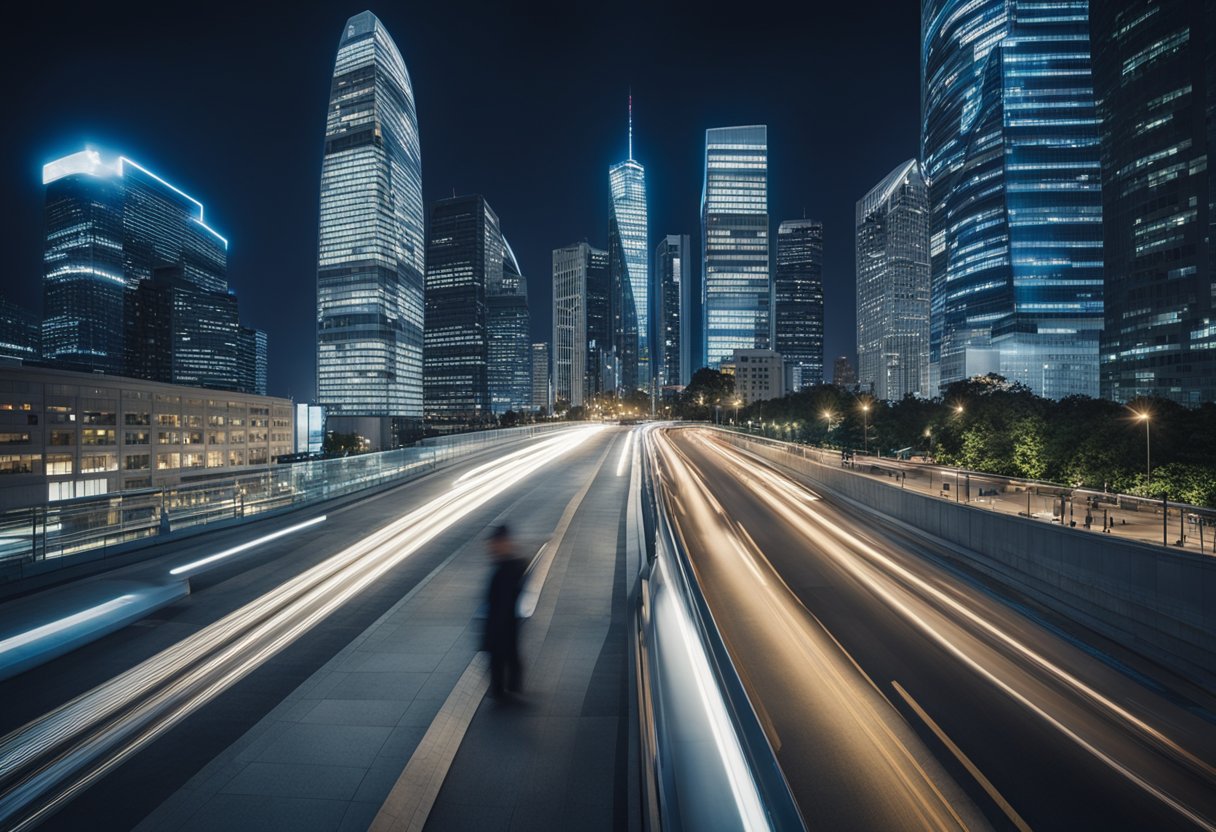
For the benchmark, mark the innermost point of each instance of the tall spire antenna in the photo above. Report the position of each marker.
(631, 124)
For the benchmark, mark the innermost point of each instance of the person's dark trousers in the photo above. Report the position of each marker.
(506, 672)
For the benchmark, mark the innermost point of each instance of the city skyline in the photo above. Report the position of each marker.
(271, 216)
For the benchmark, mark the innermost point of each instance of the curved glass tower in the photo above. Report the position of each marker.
(1010, 149)
(371, 251)
(630, 266)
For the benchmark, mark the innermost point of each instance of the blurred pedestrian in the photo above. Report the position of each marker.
(502, 622)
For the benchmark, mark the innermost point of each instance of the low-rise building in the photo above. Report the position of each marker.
(759, 375)
(67, 434)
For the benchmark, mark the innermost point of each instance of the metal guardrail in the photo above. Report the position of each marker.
(73, 527)
(685, 669)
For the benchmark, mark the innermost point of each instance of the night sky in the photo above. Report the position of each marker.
(525, 104)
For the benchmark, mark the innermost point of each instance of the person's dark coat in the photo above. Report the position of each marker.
(501, 623)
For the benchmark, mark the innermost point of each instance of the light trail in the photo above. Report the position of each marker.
(244, 547)
(898, 587)
(37, 633)
(858, 707)
(48, 761)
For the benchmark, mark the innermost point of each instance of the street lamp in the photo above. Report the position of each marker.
(737, 403)
(1146, 417)
(865, 430)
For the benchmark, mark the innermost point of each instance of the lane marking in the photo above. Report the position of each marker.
(412, 797)
(620, 465)
(971, 767)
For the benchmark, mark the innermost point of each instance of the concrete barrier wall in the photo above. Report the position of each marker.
(1156, 601)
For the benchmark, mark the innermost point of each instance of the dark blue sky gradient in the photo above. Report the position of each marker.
(525, 103)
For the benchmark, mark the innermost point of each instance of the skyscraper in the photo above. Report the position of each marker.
(20, 332)
(673, 296)
(583, 359)
(1157, 103)
(629, 258)
(508, 324)
(109, 225)
(464, 255)
(371, 257)
(540, 377)
(798, 302)
(1009, 145)
(179, 333)
(892, 234)
(734, 242)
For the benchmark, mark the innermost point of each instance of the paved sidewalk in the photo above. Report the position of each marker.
(556, 759)
(328, 756)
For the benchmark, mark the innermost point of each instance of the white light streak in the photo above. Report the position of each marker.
(190, 567)
(65, 623)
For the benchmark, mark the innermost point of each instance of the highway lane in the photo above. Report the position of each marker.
(233, 632)
(1038, 732)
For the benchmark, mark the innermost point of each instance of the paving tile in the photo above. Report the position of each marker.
(341, 745)
(296, 780)
(359, 816)
(378, 712)
(258, 813)
(385, 685)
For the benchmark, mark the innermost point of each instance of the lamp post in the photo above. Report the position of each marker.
(737, 403)
(865, 430)
(1146, 417)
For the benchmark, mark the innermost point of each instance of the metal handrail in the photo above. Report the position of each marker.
(61, 530)
(780, 809)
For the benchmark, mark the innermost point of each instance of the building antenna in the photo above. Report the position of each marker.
(631, 124)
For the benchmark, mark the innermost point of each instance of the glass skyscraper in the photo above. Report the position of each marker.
(1009, 145)
(1155, 83)
(540, 377)
(734, 242)
(109, 225)
(464, 256)
(20, 332)
(371, 252)
(798, 302)
(583, 359)
(629, 259)
(892, 235)
(673, 295)
(508, 326)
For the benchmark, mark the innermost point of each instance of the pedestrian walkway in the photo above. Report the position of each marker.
(394, 730)
(990, 492)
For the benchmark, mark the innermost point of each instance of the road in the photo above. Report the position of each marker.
(98, 738)
(901, 693)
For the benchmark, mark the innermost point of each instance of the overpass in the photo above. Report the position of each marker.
(715, 639)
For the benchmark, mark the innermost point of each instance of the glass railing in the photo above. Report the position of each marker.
(98, 524)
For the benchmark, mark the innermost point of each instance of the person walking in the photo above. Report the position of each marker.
(502, 622)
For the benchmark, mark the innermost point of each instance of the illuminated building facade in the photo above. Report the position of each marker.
(583, 358)
(735, 297)
(1009, 145)
(629, 265)
(892, 236)
(371, 251)
(508, 326)
(541, 388)
(464, 255)
(109, 226)
(798, 302)
(1155, 83)
(673, 298)
(20, 332)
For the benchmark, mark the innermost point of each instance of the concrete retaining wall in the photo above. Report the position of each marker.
(1156, 601)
